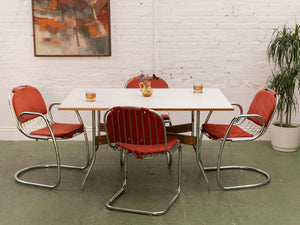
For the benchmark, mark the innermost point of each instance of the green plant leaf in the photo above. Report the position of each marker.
(284, 51)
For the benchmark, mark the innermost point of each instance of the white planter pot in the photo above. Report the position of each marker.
(285, 139)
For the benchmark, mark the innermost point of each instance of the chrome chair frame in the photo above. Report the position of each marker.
(48, 120)
(257, 132)
(126, 153)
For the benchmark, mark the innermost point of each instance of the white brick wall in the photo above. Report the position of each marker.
(222, 41)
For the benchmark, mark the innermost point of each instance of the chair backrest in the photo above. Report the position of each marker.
(263, 104)
(155, 83)
(26, 99)
(138, 130)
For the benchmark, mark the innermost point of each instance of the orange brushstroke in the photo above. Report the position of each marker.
(50, 24)
(94, 28)
(52, 5)
(63, 2)
(103, 17)
(51, 41)
(93, 31)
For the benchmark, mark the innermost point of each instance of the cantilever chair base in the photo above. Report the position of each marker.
(19, 173)
(35, 121)
(57, 165)
(140, 132)
(256, 170)
(243, 127)
(145, 212)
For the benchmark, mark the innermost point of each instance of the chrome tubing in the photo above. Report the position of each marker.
(146, 212)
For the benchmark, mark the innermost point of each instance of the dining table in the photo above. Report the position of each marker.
(162, 99)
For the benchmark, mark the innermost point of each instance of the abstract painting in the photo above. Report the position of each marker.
(71, 27)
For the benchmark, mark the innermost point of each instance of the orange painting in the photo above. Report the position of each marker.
(71, 27)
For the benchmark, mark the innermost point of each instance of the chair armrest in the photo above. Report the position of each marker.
(243, 117)
(23, 131)
(233, 104)
(247, 116)
(239, 106)
(51, 115)
(50, 111)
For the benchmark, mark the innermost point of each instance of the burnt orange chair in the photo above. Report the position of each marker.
(139, 132)
(243, 127)
(35, 121)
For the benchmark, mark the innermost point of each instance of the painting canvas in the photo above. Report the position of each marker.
(71, 27)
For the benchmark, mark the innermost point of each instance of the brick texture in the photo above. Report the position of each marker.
(222, 42)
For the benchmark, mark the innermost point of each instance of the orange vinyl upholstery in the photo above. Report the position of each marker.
(28, 99)
(165, 116)
(26, 103)
(243, 127)
(155, 83)
(140, 150)
(263, 104)
(140, 132)
(61, 130)
(218, 131)
(137, 131)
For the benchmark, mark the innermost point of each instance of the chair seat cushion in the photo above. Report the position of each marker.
(141, 150)
(218, 131)
(165, 116)
(61, 130)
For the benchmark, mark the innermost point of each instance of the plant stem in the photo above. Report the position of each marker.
(281, 118)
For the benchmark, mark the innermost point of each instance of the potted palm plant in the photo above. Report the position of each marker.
(284, 52)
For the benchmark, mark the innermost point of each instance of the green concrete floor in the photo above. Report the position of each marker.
(150, 186)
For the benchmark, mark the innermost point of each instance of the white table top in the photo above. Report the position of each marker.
(166, 99)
